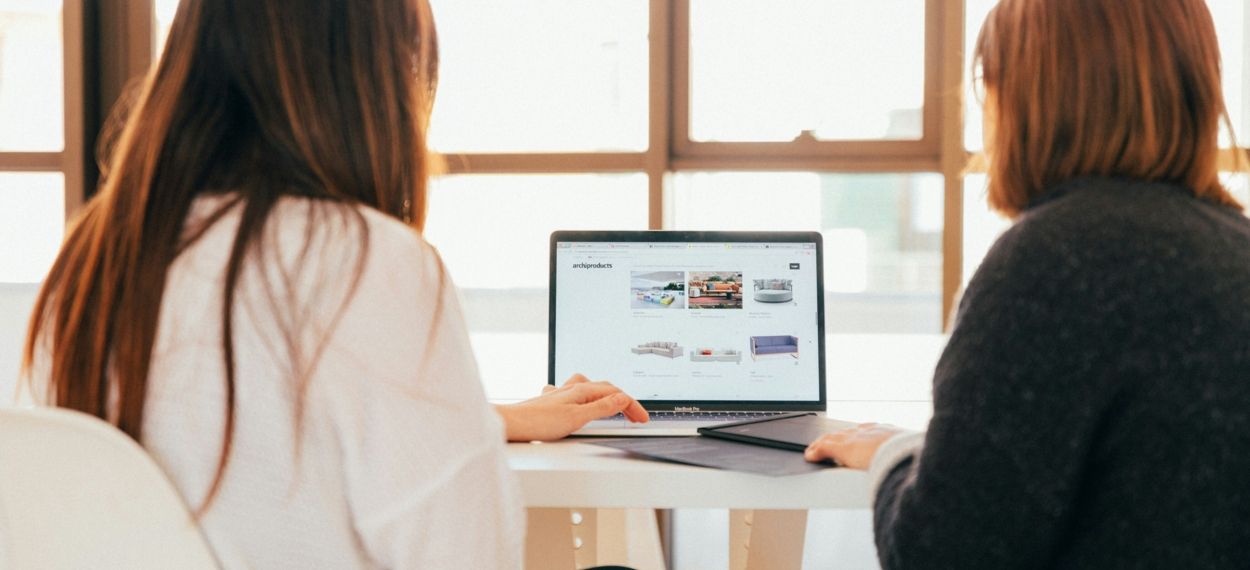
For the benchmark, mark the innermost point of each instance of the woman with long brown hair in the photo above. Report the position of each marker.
(1092, 407)
(246, 296)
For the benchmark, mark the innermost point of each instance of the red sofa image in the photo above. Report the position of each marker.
(700, 288)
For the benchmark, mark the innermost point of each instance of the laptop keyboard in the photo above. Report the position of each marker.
(705, 416)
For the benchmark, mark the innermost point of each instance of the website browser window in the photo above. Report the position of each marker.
(682, 321)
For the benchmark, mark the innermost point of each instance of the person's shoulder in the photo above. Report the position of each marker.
(1105, 208)
(1104, 230)
(339, 254)
(330, 225)
(391, 232)
(1076, 229)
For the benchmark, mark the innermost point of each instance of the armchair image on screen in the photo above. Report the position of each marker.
(773, 290)
(768, 346)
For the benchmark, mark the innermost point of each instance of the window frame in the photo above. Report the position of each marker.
(670, 150)
(70, 161)
(103, 51)
(928, 147)
(109, 28)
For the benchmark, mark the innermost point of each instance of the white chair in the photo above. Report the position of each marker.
(75, 492)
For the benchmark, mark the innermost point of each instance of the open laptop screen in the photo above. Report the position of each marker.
(691, 317)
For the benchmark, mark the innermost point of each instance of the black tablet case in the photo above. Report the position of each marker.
(793, 432)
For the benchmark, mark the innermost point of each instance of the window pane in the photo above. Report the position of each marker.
(32, 224)
(982, 226)
(975, 14)
(768, 71)
(882, 235)
(1239, 186)
(541, 75)
(1232, 19)
(493, 231)
(32, 109)
(165, 10)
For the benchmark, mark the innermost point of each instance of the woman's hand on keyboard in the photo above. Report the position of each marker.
(561, 411)
(851, 447)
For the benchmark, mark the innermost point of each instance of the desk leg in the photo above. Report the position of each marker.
(549, 540)
(559, 539)
(630, 537)
(766, 539)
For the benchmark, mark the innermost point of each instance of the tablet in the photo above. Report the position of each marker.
(791, 431)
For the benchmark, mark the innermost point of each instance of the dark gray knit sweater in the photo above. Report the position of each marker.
(1092, 409)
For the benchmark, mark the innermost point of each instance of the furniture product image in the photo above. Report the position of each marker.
(709, 355)
(713, 288)
(770, 345)
(774, 290)
(657, 297)
(669, 349)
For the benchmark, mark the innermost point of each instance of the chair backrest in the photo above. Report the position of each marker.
(75, 492)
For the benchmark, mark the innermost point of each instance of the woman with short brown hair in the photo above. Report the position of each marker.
(1092, 407)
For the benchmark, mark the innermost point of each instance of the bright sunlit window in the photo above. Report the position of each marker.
(882, 236)
(31, 76)
(32, 120)
(793, 114)
(492, 232)
(164, 12)
(555, 75)
(770, 71)
(32, 221)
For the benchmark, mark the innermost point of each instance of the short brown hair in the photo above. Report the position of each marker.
(1101, 88)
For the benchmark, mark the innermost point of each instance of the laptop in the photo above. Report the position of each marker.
(703, 328)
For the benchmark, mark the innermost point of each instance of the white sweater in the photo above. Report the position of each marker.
(398, 461)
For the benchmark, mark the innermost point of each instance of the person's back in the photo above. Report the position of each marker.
(1165, 483)
(1099, 370)
(274, 163)
(388, 454)
(248, 296)
(1091, 408)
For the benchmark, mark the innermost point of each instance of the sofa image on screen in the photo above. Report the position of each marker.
(774, 290)
(669, 349)
(717, 290)
(657, 297)
(712, 355)
(774, 345)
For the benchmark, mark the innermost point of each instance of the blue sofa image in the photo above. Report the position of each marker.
(768, 345)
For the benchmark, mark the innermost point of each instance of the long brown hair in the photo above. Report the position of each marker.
(261, 99)
(1101, 88)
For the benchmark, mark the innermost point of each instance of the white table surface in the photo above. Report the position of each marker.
(574, 474)
(881, 378)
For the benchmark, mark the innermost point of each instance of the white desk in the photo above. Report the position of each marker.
(768, 515)
(572, 474)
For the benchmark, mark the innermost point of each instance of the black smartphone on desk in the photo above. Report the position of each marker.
(793, 432)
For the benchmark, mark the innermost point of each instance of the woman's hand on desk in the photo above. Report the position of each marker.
(562, 411)
(851, 447)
